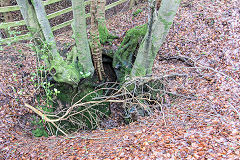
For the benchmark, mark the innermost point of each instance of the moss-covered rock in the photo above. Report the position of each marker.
(40, 129)
(124, 57)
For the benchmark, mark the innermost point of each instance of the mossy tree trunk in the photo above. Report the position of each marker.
(104, 34)
(46, 28)
(156, 34)
(78, 64)
(124, 58)
(30, 18)
(102, 28)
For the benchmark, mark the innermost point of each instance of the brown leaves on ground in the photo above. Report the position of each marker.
(204, 30)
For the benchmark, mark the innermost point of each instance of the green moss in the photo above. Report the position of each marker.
(70, 71)
(69, 95)
(124, 57)
(141, 70)
(104, 35)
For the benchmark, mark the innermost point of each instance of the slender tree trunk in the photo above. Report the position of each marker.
(102, 28)
(30, 18)
(7, 16)
(46, 28)
(157, 32)
(104, 35)
(81, 39)
(101, 12)
(96, 45)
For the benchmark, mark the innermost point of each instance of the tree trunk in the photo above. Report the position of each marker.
(80, 32)
(104, 35)
(96, 45)
(157, 32)
(46, 28)
(102, 28)
(7, 16)
(123, 58)
(30, 18)
(70, 71)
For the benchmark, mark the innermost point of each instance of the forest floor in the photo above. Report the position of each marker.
(206, 127)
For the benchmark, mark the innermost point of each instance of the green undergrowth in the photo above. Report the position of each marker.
(40, 130)
(86, 116)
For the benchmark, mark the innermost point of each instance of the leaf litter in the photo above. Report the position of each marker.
(207, 33)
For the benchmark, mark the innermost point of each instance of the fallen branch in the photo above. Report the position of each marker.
(44, 117)
(186, 60)
(193, 64)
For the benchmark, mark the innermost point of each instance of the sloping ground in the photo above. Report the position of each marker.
(205, 31)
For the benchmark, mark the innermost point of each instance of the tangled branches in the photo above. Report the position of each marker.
(138, 96)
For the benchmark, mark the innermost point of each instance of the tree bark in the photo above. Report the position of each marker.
(157, 32)
(102, 28)
(30, 18)
(96, 45)
(104, 35)
(80, 35)
(46, 28)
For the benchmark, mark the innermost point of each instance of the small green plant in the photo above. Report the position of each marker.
(41, 81)
(40, 130)
(135, 14)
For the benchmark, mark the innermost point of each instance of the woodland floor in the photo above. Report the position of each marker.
(208, 32)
